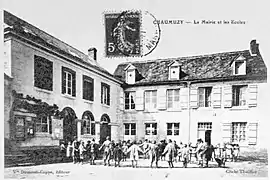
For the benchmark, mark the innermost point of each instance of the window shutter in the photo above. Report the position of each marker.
(193, 97)
(101, 95)
(109, 95)
(63, 81)
(50, 124)
(226, 132)
(92, 91)
(121, 103)
(252, 133)
(252, 95)
(74, 84)
(184, 98)
(228, 96)
(82, 125)
(216, 97)
(161, 95)
(139, 100)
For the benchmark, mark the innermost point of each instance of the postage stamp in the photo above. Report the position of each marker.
(130, 33)
(123, 34)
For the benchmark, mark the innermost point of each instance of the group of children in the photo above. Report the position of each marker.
(152, 150)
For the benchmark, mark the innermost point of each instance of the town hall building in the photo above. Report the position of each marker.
(54, 92)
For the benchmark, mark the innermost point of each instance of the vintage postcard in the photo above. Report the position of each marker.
(135, 89)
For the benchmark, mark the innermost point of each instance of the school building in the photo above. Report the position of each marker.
(214, 97)
(55, 92)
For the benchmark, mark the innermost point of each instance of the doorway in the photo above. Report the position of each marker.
(69, 124)
(204, 131)
(208, 136)
(105, 127)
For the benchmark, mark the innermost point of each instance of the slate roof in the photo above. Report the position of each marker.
(196, 68)
(22, 28)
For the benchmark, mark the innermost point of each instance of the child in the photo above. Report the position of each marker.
(124, 150)
(82, 152)
(153, 151)
(76, 152)
(169, 153)
(117, 155)
(185, 155)
(69, 150)
(107, 152)
(93, 152)
(236, 150)
(134, 153)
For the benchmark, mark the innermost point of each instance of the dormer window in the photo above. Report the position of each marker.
(130, 74)
(174, 71)
(239, 66)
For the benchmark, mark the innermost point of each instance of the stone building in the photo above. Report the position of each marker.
(215, 97)
(53, 91)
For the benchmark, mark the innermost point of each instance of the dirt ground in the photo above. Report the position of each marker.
(250, 164)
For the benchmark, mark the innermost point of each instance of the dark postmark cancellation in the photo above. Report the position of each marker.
(130, 33)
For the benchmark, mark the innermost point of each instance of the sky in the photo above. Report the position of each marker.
(81, 24)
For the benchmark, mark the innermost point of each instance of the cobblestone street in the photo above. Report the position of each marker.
(99, 171)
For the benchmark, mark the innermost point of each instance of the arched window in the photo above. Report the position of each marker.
(88, 124)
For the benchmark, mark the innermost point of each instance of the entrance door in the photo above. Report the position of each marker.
(69, 124)
(105, 127)
(208, 136)
(105, 130)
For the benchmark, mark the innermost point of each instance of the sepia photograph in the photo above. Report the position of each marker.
(158, 90)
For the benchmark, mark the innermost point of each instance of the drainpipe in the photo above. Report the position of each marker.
(189, 111)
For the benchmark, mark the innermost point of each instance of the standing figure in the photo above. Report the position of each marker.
(176, 150)
(76, 151)
(117, 155)
(69, 150)
(169, 153)
(107, 153)
(93, 152)
(62, 151)
(199, 152)
(185, 155)
(153, 151)
(124, 150)
(162, 147)
(134, 150)
(236, 150)
(144, 146)
(82, 152)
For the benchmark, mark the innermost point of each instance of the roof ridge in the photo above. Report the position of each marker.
(182, 58)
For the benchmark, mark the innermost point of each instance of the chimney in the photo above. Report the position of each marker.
(254, 48)
(92, 53)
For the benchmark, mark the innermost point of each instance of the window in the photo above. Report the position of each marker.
(240, 68)
(205, 126)
(88, 125)
(150, 100)
(205, 96)
(174, 72)
(239, 131)
(130, 76)
(151, 129)
(129, 100)
(68, 81)
(42, 123)
(105, 94)
(239, 95)
(130, 128)
(88, 88)
(173, 129)
(43, 73)
(173, 98)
